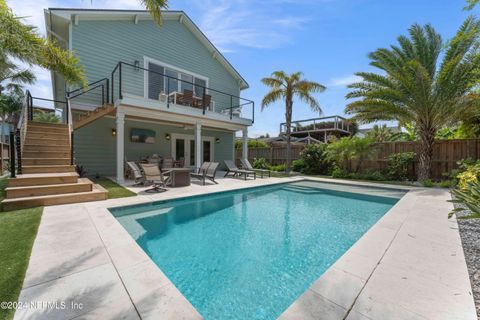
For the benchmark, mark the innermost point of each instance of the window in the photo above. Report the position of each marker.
(162, 78)
(155, 80)
(199, 86)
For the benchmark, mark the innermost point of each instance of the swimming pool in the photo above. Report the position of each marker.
(248, 254)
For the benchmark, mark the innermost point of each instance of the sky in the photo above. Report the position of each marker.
(327, 40)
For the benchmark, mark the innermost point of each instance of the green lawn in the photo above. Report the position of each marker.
(17, 232)
(114, 189)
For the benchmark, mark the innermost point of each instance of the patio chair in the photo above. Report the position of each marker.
(167, 163)
(152, 174)
(187, 98)
(247, 166)
(208, 170)
(235, 171)
(136, 173)
(207, 99)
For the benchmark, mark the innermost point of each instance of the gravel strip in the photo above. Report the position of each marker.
(470, 235)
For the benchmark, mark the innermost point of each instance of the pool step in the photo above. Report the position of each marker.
(97, 193)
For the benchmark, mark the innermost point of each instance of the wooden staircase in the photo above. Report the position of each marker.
(91, 116)
(48, 178)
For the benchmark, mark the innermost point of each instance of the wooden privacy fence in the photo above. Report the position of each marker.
(446, 153)
(274, 155)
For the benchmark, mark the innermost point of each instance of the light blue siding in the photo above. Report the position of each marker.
(95, 147)
(100, 45)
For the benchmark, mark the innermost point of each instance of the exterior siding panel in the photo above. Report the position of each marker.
(100, 45)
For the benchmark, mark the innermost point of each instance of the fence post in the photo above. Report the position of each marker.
(12, 155)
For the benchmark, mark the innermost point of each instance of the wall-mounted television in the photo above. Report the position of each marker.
(142, 136)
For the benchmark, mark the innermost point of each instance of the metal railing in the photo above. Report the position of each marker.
(96, 94)
(331, 123)
(135, 80)
(58, 112)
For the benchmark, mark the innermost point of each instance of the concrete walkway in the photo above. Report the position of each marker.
(410, 265)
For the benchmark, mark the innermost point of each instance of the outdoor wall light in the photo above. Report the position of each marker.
(114, 132)
(167, 136)
(217, 140)
(137, 65)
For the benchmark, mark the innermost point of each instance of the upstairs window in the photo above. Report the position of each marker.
(165, 79)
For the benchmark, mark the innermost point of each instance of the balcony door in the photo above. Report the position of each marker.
(183, 146)
(165, 78)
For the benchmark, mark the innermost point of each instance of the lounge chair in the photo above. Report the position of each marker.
(247, 166)
(152, 174)
(136, 172)
(233, 169)
(206, 171)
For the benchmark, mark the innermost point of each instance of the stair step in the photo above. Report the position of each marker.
(46, 154)
(48, 141)
(47, 135)
(97, 193)
(35, 179)
(48, 169)
(45, 161)
(82, 185)
(45, 147)
(35, 129)
(46, 124)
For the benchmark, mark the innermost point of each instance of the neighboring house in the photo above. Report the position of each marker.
(167, 86)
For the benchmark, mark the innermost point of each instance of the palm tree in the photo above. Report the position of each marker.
(286, 87)
(379, 133)
(12, 77)
(471, 4)
(155, 7)
(415, 87)
(24, 43)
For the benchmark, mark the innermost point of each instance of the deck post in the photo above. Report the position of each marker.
(120, 145)
(198, 145)
(245, 143)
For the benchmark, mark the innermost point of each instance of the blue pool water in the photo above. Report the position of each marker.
(249, 254)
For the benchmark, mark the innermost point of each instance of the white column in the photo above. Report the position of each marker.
(120, 146)
(245, 143)
(198, 145)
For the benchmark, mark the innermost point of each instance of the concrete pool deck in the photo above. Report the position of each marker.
(409, 265)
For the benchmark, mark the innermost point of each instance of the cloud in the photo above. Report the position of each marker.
(246, 23)
(344, 81)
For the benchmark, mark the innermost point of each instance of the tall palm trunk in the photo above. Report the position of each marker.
(427, 138)
(288, 118)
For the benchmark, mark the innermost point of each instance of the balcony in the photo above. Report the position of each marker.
(133, 85)
(321, 128)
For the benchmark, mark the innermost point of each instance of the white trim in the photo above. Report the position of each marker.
(178, 113)
(188, 138)
(147, 60)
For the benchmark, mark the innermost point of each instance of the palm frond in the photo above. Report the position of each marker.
(155, 7)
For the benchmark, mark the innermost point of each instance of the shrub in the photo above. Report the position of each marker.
(398, 164)
(471, 174)
(260, 163)
(469, 197)
(350, 148)
(41, 116)
(314, 160)
(428, 183)
(279, 168)
(339, 173)
(447, 183)
(298, 165)
(251, 144)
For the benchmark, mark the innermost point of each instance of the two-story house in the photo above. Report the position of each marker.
(163, 90)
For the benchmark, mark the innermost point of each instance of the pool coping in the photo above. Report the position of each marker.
(151, 292)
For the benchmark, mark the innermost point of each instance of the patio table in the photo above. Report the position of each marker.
(179, 177)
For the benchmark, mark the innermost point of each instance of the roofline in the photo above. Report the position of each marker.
(243, 85)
